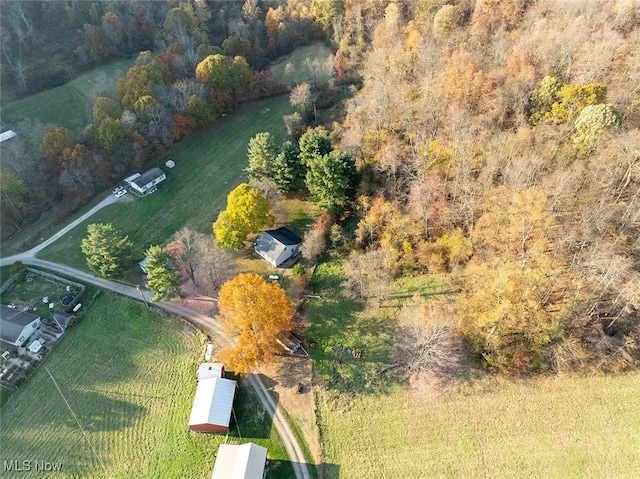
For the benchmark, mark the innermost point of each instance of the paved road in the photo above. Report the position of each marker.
(33, 251)
(201, 321)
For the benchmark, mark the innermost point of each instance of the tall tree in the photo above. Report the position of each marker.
(106, 250)
(313, 145)
(162, 277)
(287, 172)
(247, 211)
(185, 250)
(111, 134)
(262, 151)
(254, 313)
(105, 107)
(54, 142)
(329, 178)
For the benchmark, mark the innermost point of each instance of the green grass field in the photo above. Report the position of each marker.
(67, 105)
(129, 376)
(208, 166)
(558, 427)
(484, 426)
(307, 64)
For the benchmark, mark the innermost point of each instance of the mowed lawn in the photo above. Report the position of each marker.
(208, 166)
(68, 105)
(380, 426)
(129, 376)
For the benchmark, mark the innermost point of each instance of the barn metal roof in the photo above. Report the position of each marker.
(213, 402)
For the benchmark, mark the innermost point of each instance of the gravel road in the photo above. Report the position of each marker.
(201, 321)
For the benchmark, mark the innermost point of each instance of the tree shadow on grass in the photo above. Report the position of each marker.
(66, 430)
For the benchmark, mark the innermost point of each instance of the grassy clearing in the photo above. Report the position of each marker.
(339, 327)
(129, 375)
(555, 427)
(548, 427)
(208, 166)
(67, 105)
(307, 62)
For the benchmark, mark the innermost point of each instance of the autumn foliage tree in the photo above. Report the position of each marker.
(185, 251)
(247, 211)
(253, 313)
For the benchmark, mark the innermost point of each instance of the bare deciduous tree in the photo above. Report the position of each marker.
(367, 276)
(426, 343)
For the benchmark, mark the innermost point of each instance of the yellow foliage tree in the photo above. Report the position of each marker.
(253, 313)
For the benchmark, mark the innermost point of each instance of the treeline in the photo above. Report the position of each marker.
(498, 144)
(45, 44)
(182, 85)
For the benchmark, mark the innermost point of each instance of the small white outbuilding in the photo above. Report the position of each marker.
(210, 370)
(246, 461)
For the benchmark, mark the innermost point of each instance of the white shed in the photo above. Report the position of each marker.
(210, 370)
(244, 461)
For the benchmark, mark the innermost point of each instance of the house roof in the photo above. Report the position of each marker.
(13, 321)
(213, 402)
(148, 176)
(284, 236)
(244, 461)
(272, 243)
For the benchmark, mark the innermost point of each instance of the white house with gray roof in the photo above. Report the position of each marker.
(17, 326)
(147, 182)
(277, 246)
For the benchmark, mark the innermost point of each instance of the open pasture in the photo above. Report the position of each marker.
(113, 401)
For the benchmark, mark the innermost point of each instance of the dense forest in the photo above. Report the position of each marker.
(496, 142)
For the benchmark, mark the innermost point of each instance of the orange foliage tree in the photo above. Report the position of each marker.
(253, 313)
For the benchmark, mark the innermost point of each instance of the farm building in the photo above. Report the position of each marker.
(212, 405)
(64, 320)
(148, 181)
(210, 370)
(244, 461)
(17, 326)
(6, 133)
(277, 246)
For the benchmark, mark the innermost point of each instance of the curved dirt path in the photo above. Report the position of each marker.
(200, 321)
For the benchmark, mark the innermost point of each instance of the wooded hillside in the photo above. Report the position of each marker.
(499, 142)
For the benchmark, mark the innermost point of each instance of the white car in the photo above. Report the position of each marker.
(117, 188)
(120, 193)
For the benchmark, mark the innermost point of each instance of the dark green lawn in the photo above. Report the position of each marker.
(208, 166)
